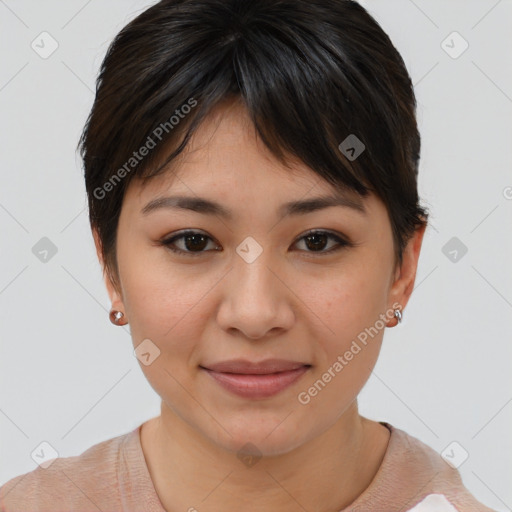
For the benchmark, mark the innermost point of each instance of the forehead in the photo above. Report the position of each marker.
(226, 160)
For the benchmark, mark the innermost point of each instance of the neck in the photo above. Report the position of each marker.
(326, 473)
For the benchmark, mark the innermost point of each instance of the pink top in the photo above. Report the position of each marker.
(113, 476)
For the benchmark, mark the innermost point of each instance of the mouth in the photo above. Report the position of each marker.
(256, 379)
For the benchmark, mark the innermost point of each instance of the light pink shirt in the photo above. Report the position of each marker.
(113, 476)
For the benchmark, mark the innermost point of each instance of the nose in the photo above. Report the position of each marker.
(256, 299)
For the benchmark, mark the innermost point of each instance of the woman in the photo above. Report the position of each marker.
(251, 170)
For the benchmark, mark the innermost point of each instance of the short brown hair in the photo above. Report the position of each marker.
(310, 72)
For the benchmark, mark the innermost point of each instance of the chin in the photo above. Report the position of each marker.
(266, 435)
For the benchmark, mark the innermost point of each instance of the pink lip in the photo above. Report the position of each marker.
(256, 380)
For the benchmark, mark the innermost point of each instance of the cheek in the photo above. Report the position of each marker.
(163, 303)
(349, 336)
(352, 301)
(166, 307)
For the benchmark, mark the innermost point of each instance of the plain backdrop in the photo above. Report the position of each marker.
(69, 377)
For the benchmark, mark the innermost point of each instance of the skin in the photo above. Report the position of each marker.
(292, 302)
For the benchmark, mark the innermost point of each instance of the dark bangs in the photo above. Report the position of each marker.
(310, 73)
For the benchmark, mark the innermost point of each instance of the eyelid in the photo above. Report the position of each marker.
(342, 241)
(167, 241)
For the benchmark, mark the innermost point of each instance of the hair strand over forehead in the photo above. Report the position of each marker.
(310, 73)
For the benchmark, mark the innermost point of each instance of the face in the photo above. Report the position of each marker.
(252, 282)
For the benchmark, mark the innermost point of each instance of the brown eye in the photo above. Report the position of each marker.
(192, 243)
(317, 241)
(195, 242)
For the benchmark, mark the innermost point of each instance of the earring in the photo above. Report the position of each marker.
(397, 316)
(116, 316)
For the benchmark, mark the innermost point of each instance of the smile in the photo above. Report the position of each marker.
(259, 384)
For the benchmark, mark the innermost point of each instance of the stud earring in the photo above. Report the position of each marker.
(116, 317)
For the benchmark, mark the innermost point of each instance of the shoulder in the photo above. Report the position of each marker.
(439, 482)
(79, 481)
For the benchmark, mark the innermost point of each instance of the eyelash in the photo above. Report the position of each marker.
(341, 242)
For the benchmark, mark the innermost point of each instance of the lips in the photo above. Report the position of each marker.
(250, 379)
(255, 368)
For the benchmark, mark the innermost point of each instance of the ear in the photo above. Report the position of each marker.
(405, 274)
(115, 296)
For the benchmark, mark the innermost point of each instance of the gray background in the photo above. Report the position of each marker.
(69, 377)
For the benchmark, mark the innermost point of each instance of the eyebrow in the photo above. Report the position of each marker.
(206, 206)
